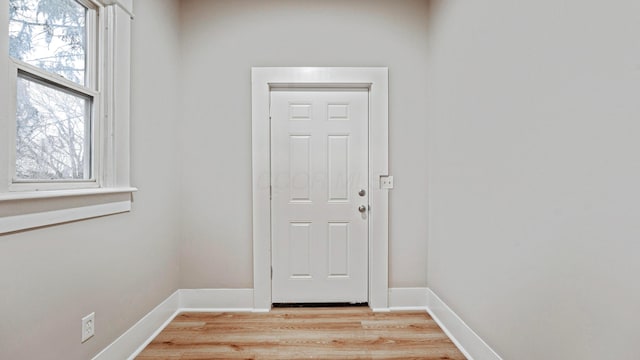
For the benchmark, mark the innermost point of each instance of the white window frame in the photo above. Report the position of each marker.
(91, 88)
(31, 204)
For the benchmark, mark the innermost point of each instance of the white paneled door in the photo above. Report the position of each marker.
(319, 179)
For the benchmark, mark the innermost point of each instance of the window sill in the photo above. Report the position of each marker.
(21, 211)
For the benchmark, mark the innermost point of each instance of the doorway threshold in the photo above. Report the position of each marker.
(319, 305)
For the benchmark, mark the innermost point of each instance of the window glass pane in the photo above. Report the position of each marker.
(50, 34)
(53, 140)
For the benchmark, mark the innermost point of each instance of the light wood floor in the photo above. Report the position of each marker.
(303, 333)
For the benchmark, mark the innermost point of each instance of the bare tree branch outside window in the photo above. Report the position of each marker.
(52, 123)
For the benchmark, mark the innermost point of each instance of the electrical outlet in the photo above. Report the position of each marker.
(88, 326)
(386, 182)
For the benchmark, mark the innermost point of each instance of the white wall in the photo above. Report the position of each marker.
(221, 41)
(119, 266)
(534, 173)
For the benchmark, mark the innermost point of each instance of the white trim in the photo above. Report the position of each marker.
(24, 195)
(44, 185)
(407, 298)
(376, 80)
(134, 340)
(125, 5)
(32, 209)
(51, 79)
(89, 91)
(216, 300)
(33, 220)
(115, 160)
(469, 343)
(21, 207)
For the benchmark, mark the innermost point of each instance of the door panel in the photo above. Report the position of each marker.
(299, 172)
(338, 163)
(300, 249)
(338, 249)
(319, 165)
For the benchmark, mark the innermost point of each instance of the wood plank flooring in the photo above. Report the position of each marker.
(303, 333)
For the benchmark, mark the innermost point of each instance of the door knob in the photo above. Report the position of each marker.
(362, 208)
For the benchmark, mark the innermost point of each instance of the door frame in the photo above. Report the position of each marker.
(376, 81)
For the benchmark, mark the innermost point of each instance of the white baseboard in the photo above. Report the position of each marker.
(407, 298)
(143, 331)
(469, 343)
(134, 340)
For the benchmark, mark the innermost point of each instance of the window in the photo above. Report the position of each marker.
(67, 123)
(53, 132)
(53, 46)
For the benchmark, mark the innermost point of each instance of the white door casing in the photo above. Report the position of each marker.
(319, 183)
(264, 80)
